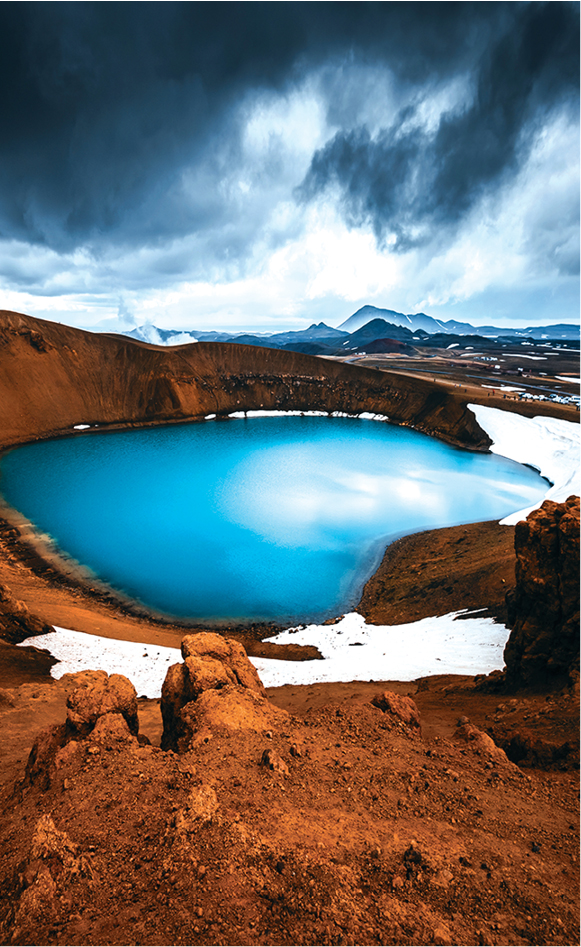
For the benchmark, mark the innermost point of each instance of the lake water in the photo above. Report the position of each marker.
(278, 518)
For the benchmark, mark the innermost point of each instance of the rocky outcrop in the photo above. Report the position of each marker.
(16, 622)
(53, 864)
(543, 609)
(207, 647)
(102, 708)
(216, 686)
(232, 708)
(113, 694)
(480, 743)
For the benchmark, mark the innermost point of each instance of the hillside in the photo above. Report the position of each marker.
(54, 377)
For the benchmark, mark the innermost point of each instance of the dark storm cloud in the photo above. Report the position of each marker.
(104, 107)
(407, 181)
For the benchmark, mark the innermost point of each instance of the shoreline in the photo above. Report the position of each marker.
(420, 575)
(84, 382)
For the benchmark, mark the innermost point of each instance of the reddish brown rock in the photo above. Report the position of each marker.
(228, 709)
(543, 647)
(206, 674)
(111, 729)
(41, 760)
(273, 761)
(402, 707)
(211, 664)
(481, 743)
(228, 652)
(108, 694)
(16, 621)
(53, 863)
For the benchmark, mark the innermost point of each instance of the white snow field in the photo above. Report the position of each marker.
(351, 649)
(549, 444)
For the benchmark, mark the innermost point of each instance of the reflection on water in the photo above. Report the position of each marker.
(272, 518)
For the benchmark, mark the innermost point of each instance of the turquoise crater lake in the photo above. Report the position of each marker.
(271, 518)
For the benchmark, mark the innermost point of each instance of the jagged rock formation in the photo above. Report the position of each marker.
(543, 647)
(103, 708)
(55, 377)
(105, 695)
(216, 687)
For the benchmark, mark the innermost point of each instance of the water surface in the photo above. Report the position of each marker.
(279, 518)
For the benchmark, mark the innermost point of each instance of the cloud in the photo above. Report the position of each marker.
(177, 158)
(410, 180)
(115, 108)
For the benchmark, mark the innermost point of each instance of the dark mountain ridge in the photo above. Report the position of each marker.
(365, 326)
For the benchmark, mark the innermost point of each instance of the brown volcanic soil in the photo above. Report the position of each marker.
(376, 835)
(441, 571)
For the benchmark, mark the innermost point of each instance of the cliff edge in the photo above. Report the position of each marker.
(543, 608)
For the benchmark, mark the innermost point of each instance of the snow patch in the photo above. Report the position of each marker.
(365, 415)
(145, 665)
(551, 445)
(352, 651)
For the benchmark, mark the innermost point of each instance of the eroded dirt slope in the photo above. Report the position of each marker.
(365, 831)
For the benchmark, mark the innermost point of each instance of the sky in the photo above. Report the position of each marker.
(269, 165)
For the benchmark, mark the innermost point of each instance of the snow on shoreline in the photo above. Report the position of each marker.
(352, 651)
(363, 415)
(551, 445)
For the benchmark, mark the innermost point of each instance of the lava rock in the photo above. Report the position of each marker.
(211, 664)
(108, 694)
(543, 609)
(402, 707)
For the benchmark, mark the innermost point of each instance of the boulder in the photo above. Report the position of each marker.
(106, 694)
(404, 708)
(229, 652)
(211, 664)
(481, 743)
(543, 609)
(273, 761)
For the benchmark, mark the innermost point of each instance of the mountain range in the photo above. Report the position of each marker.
(369, 329)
